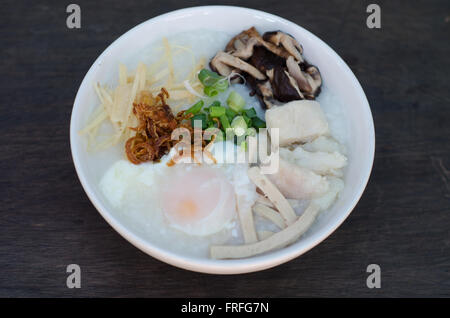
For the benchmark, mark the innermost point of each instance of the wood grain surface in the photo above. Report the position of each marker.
(401, 223)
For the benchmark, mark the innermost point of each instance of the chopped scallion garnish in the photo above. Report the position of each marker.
(230, 114)
(199, 120)
(216, 111)
(251, 132)
(239, 125)
(251, 112)
(215, 103)
(224, 122)
(210, 91)
(209, 78)
(235, 101)
(258, 123)
(213, 83)
(194, 109)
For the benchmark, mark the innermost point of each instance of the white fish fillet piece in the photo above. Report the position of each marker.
(323, 163)
(325, 144)
(298, 121)
(295, 182)
(325, 201)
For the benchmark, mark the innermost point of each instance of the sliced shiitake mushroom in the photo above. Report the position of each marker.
(243, 44)
(295, 71)
(285, 88)
(222, 58)
(265, 60)
(263, 90)
(288, 42)
(272, 65)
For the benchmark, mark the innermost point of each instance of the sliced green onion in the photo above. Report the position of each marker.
(194, 109)
(210, 91)
(219, 136)
(251, 132)
(209, 78)
(243, 145)
(199, 117)
(210, 123)
(225, 122)
(247, 119)
(239, 125)
(213, 81)
(215, 103)
(251, 112)
(221, 85)
(235, 102)
(258, 123)
(216, 111)
(230, 114)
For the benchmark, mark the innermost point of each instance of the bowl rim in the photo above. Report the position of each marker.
(235, 266)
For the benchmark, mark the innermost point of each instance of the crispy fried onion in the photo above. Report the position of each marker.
(153, 132)
(156, 123)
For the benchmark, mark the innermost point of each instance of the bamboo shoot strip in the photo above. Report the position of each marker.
(274, 195)
(275, 241)
(246, 219)
(263, 200)
(262, 235)
(269, 214)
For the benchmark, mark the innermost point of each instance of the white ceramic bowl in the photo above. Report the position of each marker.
(337, 76)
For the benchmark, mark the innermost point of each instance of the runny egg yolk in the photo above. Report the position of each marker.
(198, 201)
(187, 209)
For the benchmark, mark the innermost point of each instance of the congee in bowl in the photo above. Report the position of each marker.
(219, 145)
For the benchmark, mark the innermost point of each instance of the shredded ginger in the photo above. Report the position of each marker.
(116, 105)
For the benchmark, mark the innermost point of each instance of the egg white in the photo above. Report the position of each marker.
(134, 191)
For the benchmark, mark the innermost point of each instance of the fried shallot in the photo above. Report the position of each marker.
(156, 123)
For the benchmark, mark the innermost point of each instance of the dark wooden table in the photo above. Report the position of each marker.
(401, 223)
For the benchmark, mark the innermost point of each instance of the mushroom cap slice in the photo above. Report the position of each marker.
(288, 42)
(309, 81)
(218, 66)
(265, 60)
(243, 44)
(241, 39)
(315, 74)
(244, 51)
(295, 71)
(262, 89)
(223, 58)
(266, 89)
(285, 88)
